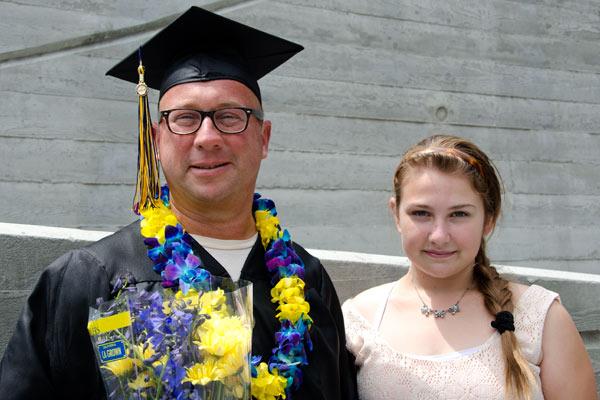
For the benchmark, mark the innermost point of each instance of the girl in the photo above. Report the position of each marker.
(452, 328)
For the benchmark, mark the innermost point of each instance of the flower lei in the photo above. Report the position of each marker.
(170, 249)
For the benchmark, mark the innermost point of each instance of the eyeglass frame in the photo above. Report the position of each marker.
(211, 114)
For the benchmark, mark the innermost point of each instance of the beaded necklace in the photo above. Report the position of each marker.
(170, 249)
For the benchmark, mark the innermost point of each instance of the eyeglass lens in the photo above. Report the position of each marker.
(228, 120)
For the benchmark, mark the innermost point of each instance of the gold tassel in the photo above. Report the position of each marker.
(147, 190)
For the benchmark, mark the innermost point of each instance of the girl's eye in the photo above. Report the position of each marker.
(460, 214)
(420, 213)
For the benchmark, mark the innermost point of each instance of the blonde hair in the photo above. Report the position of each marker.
(455, 155)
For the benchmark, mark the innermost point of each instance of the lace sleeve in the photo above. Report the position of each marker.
(356, 328)
(530, 316)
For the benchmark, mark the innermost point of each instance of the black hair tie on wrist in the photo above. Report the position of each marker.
(504, 322)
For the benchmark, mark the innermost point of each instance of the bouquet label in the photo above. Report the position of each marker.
(103, 325)
(112, 351)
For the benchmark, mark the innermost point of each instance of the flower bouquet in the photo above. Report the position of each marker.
(176, 345)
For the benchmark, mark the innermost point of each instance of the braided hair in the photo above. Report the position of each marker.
(455, 155)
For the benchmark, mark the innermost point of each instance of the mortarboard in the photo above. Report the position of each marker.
(198, 46)
(203, 46)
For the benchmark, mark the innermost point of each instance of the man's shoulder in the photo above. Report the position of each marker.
(315, 274)
(310, 262)
(123, 249)
(313, 268)
(123, 238)
(110, 245)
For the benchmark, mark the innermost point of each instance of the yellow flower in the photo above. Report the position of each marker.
(146, 354)
(293, 312)
(268, 226)
(289, 293)
(188, 301)
(235, 385)
(121, 367)
(141, 381)
(268, 386)
(204, 373)
(234, 360)
(218, 336)
(288, 290)
(211, 301)
(155, 220)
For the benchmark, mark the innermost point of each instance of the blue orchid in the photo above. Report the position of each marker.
(185, 270)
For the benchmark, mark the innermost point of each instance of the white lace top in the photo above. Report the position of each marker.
(476, 373)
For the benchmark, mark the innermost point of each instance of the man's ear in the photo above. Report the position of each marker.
(266, 137)
(395, 212)
(155, 138)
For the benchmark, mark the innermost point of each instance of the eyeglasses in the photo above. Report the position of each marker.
(185, 121)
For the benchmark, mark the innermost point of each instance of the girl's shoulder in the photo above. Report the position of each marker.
(534, 293)
(517, 290)
(368, 302)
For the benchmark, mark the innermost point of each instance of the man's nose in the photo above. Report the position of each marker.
(208, 136)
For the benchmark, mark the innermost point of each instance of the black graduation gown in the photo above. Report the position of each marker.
(50, 355)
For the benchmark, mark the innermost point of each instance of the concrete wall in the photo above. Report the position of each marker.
(520, 78)
(27, 249)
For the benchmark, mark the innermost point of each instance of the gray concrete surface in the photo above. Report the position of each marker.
(519, 78)
(27, 249)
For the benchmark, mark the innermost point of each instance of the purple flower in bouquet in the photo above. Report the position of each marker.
(124, 282)
(172, 374)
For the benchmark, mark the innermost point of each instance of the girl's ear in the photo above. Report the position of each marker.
(395, 212)
(489, 226)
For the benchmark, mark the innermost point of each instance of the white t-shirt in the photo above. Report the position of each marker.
(231, 254)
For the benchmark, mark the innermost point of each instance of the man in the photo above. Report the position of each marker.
(210, 140)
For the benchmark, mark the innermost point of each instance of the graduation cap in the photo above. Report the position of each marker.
(198, 46)
(203, 46)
